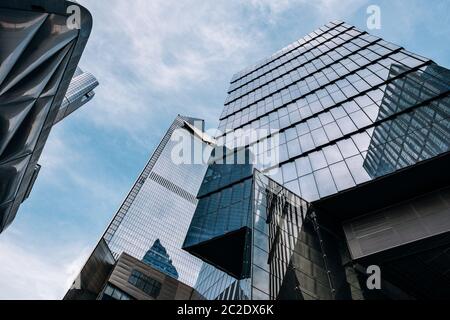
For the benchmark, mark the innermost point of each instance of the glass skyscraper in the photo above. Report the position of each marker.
(361, 131)
(158, 258)
(152, 222)
(80, 92)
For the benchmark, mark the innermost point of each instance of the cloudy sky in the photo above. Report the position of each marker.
(156, 59)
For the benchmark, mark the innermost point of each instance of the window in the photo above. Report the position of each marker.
(332, 154)
(291, 134)
(303, 166)
(294, 148)
(319, 137)
(325, 182)
(146, 284)
(307, 142)
(342, 176)
(360, 119)
(113, 293)
(289, 172)
(332, 130)
(347, 148)
(356, 166)
(346, 125)
(362, 141)
(308, 188)
(317, 160)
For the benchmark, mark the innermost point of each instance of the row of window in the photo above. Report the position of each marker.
(394, 145)
(313, 134)
(300, 58)
(399, 95)
(319, 72)
(408, 90)
(316, 131)
(330, 95)
(337, 49)
(288, 52)
(370, 70)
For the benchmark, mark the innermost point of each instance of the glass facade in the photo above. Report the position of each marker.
(152, 222)
(160, 206)
(158, 258)
(80, 92)
(283, 246)
(346, 108)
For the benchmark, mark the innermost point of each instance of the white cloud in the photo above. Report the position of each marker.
(64, 163)
(29, 275)
(154, 53)
(324, 10)
(152, 57)
(333, 9)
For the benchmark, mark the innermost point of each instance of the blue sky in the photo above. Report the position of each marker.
(156, 59)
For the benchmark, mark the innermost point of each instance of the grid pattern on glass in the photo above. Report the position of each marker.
(299, 58)
(340, 49)
(214, 284)
(328, 131)
(303, 80)
(349, 109)
(358, 70)
(286, 254)
(221, 212)
(160, 206)
(394, 144)
(283, 54)
(80, 85)
(324, 125)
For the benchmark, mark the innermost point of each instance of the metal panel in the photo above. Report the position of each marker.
(415, 220)
(38, 58)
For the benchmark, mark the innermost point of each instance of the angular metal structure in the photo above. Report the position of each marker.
(39, 55)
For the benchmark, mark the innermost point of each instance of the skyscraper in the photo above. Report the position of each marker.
(152, 222)
(38, 59)
(158, 258)
(80, 92)
(361, 129)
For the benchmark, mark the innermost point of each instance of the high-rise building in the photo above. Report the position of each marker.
(360, 129)
(38, 60)
(158, 258)
(80, 92)
(152, 222)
